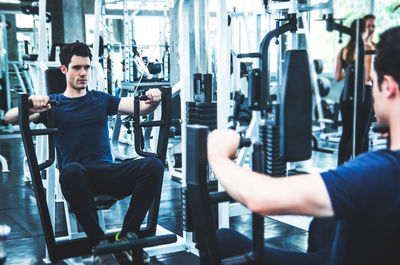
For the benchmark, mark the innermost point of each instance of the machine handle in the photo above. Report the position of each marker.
(51, 102)
(244, 142)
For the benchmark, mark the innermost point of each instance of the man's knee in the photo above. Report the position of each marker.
(154, 165)
(154, 168)
(71, 174)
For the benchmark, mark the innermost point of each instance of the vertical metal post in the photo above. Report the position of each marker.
(223, 88)
(293, 10)
(258, 27)
(5, 61)
(356, 87)
(165, 42)
(313, 73)
(42, 52)
(185, 62)
(201, 21)
(97, 22)
(127, 45)
(372, 6)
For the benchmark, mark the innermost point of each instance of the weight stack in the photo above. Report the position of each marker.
(274, 166)
(203, 113)
(187, 223)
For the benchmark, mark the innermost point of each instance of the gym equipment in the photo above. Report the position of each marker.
(154, 68)
(4, 166)
(33, 9)
(318, 65)
(200, 201)
(296, 108)
(265, 97)
(241, 113)
(129, 87)
(324, 86)
(330, 110)
(55, 51)
(202, 85)
(359, 75)
(62, 249)
(4, 232)
(202, 110)
(5, 96)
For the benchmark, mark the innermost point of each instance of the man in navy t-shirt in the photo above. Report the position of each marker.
(362, 194)
(81, 116)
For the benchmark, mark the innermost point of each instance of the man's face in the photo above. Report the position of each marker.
(370, 25)
(379, 104)
(78, 72)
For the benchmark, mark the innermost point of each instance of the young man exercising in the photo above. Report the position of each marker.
(362, 194)
(81, 116)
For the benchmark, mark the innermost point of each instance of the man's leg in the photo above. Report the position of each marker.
(234, 244)
(75, 188)
(140, 178)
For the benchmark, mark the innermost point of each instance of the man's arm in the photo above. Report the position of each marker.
(126, 105)
(40, 104)
(303, 194)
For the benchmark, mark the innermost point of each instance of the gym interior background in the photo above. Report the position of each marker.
(205, 53)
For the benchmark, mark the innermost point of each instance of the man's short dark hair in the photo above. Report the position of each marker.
(369, 16)
(387, 59)
(75, 48)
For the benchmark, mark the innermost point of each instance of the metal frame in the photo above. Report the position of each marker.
(56, 250)
(4, 165)
(126, 88)
(186, 62)
(5, 59)
(200, 202)
(252, 132)
(223, 47)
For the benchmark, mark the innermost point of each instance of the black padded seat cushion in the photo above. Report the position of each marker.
(104, 202)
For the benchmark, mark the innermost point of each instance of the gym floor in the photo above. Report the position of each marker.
(25, 244)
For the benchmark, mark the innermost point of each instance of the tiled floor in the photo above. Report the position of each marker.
(25, 245)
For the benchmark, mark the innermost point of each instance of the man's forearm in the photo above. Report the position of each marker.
(240, 183)
(12, 116)
(302, 194)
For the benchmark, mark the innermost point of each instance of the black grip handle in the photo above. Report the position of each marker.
(51, 102)
(244, 142)
(378, 129)
(143, 97)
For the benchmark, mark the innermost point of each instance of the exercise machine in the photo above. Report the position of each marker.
(63, 248)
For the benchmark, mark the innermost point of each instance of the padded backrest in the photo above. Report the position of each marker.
(296, 107)
(55, 81)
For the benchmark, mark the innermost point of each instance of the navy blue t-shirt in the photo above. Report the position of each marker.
(365, 196)
(83, 129)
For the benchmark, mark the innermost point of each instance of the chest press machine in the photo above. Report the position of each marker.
(285, 136)
(64, 248)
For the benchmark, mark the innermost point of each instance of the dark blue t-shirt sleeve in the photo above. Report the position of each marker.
(364, 187)
(112, 104)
